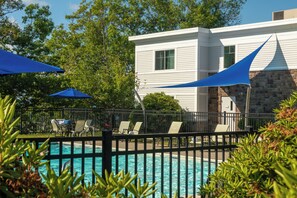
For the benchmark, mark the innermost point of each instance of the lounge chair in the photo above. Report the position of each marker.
(88, 128)
(79, 127)
(55, 127)
(173, 129)
(123, 128)
(136, 128)
(219, 128)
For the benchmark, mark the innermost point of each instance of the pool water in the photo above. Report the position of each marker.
(167, 182)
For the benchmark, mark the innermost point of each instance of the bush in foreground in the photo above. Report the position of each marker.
(263, 168)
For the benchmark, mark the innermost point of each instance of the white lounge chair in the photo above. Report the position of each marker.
(79, 127)
(123, 128)
(136, 128)
(55, 127)
(219, 128)
(88, 128)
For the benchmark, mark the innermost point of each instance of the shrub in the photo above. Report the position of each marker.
(160, 101)
(253, 170)
(288, 186)
(18, 163)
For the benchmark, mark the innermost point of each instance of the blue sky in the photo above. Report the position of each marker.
(253, 11)
(261, 10)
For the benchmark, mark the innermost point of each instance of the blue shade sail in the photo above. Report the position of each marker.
(236, 74)
(14, 64)
(70, 93)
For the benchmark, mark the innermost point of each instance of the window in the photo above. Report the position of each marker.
(164, 60)
(229, 56)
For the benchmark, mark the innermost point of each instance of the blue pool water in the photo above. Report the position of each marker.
(140, 168)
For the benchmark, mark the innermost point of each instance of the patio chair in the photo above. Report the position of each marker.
(55, 127)
(173, 129)
(123, 128)
(219, 128)
(79, 127)
(136, 128)
(88, 128)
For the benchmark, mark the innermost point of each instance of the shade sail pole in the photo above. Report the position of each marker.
(143, 110)
(247, 108)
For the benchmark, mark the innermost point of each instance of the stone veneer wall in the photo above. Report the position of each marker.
(269, 88)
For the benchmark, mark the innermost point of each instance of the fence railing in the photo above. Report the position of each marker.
(38, 120)
(177, 162)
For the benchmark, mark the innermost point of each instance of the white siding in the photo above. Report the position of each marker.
(172, 91)
(144, 61)
(203, 58)
(214, 57)
(166, 78)
(276, 54)
(185, 59)
(288, 49)
(187, 102)
(202, 103)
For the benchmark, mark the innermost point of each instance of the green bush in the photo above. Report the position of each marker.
(254, 168)
(18, 163)
(167, 108)
(288, 187)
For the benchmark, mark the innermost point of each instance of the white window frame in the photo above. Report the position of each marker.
(235, 53)
(174, 59)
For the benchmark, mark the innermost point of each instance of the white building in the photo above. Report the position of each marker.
(181, 56)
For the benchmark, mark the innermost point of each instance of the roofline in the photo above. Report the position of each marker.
(252, 26)
(169, 33)
(234, 28)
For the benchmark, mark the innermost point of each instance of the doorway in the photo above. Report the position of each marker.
(228, 106)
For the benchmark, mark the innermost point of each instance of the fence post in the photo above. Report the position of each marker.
(106, 151)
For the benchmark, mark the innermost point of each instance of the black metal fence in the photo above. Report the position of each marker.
(38, 120)
(177, 162)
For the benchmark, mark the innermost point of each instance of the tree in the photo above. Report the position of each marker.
(29, 89)
(210, 13)
(8, 29)
(30, 41)
(95, 52)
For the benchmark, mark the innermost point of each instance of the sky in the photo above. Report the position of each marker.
(252, 12)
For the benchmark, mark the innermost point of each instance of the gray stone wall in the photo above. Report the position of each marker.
(269, 88)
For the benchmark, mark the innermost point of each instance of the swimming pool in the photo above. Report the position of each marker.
(170, 173)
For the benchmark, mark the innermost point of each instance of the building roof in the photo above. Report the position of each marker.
(273, 26)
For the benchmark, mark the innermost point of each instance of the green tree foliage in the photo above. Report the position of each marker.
(28, 89)
(37, 27)
(261, 169)
(211, 13)
(95, 52)
(8, 29)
